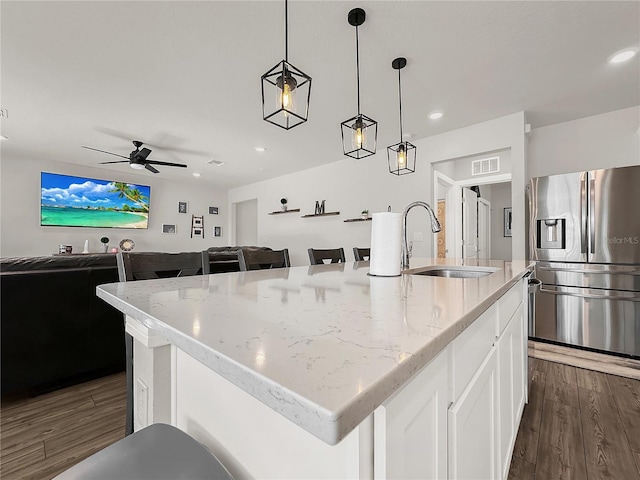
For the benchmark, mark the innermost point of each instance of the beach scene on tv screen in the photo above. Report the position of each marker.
(68, 201)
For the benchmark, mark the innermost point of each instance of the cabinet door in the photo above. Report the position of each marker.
(506, 367)
(473, 452)
(519, 326)
(411, 427)
(511, 388)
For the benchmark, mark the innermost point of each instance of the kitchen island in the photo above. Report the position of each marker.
(327, 372)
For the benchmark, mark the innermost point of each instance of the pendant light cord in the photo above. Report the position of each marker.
(358, 68)
(400, 97)
(286, 32)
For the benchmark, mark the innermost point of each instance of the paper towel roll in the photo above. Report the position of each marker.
(86, 247)
(386, 244)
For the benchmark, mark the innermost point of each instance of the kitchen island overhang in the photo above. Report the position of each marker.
(323, 346)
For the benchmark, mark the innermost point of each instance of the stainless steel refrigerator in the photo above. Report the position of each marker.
(584, 234)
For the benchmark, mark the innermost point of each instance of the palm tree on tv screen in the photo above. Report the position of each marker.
(133, 194)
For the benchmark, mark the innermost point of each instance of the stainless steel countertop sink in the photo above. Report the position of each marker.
(453, 271)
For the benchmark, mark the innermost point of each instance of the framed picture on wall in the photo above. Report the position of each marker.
(168, 228)
(217, 231)
(507, 222)
(182, 207)
(213, 210)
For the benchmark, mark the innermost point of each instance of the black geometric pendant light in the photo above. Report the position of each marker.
(359, 133)
(285, 89)
(401, 156)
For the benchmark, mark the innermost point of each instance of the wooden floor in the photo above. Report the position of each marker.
(579, 424)
(43, 436)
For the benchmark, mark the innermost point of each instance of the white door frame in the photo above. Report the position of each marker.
(454, 206)
(470, 182)
(440, 178)
(486, 251)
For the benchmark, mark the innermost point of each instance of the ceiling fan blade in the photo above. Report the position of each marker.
(143, 154)
(151, 169)
(167, 164)
(103, 151)
(119, 161)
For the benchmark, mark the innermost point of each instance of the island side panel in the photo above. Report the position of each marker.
(252, 440)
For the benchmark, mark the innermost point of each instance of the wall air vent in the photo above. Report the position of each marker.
(485, 165)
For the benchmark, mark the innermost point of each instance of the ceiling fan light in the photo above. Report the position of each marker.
(137, 166)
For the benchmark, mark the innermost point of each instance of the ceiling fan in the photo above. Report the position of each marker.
(137, 159)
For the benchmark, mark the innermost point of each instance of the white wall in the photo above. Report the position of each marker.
(22, 235)
(500, 199)
(350, 186)
(600, 141)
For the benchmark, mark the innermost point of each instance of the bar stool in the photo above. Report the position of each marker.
(156, 452)
(361, 254)
(317, 255)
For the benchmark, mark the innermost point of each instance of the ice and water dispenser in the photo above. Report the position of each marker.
(552, 233)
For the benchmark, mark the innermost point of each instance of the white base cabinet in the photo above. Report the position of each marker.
(456, 418)
(472, 434)
(410, 428)
(469, 432)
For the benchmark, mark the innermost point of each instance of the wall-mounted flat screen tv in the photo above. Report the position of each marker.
(67, 201)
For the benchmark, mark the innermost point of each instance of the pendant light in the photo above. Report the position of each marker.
(285, 89)
(401, 156)
(359, 133)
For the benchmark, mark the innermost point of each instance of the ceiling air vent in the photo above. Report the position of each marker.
(485, 165)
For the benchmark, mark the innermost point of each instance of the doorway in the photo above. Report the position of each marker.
(472, 219)
(246, 223)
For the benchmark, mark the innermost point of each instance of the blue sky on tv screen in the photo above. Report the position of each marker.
(68, 191)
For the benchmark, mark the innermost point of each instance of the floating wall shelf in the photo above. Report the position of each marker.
(285, 211)
(320, 214)
(368, 219)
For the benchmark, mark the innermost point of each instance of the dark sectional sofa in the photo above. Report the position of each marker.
(55, 331)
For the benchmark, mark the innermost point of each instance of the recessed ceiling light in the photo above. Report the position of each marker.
(408, 136)
(260, 149)
(195, 174)
(435, 115)
(623, 55)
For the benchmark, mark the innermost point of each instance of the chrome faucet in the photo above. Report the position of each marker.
(435, 227)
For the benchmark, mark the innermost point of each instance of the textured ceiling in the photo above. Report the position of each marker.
(186, 75)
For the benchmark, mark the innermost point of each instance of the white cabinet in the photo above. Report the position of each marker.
(458, 417)
(484, 418)
(473, 452)
(506, 367)
(410, 427)
(511, 367)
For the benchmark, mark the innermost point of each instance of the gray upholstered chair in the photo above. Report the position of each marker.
(146, 266)
(150, 265)
(318, 256)
(158, 451)
(263, 259)
(361, 254)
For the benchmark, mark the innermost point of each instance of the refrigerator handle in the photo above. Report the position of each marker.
(592, 217)
(583, 213)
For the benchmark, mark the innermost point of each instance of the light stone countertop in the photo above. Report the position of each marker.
(322, 345)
